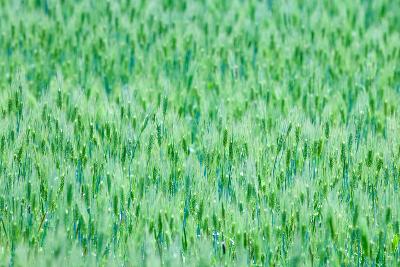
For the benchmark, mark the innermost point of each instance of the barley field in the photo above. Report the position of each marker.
(199, 133)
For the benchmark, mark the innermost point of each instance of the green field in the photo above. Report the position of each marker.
(199, 133)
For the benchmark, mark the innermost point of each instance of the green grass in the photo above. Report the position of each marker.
(199, 133)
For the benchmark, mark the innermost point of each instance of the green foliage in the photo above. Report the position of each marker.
(199, 133)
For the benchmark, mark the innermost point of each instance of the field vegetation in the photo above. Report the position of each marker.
(199, 133)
